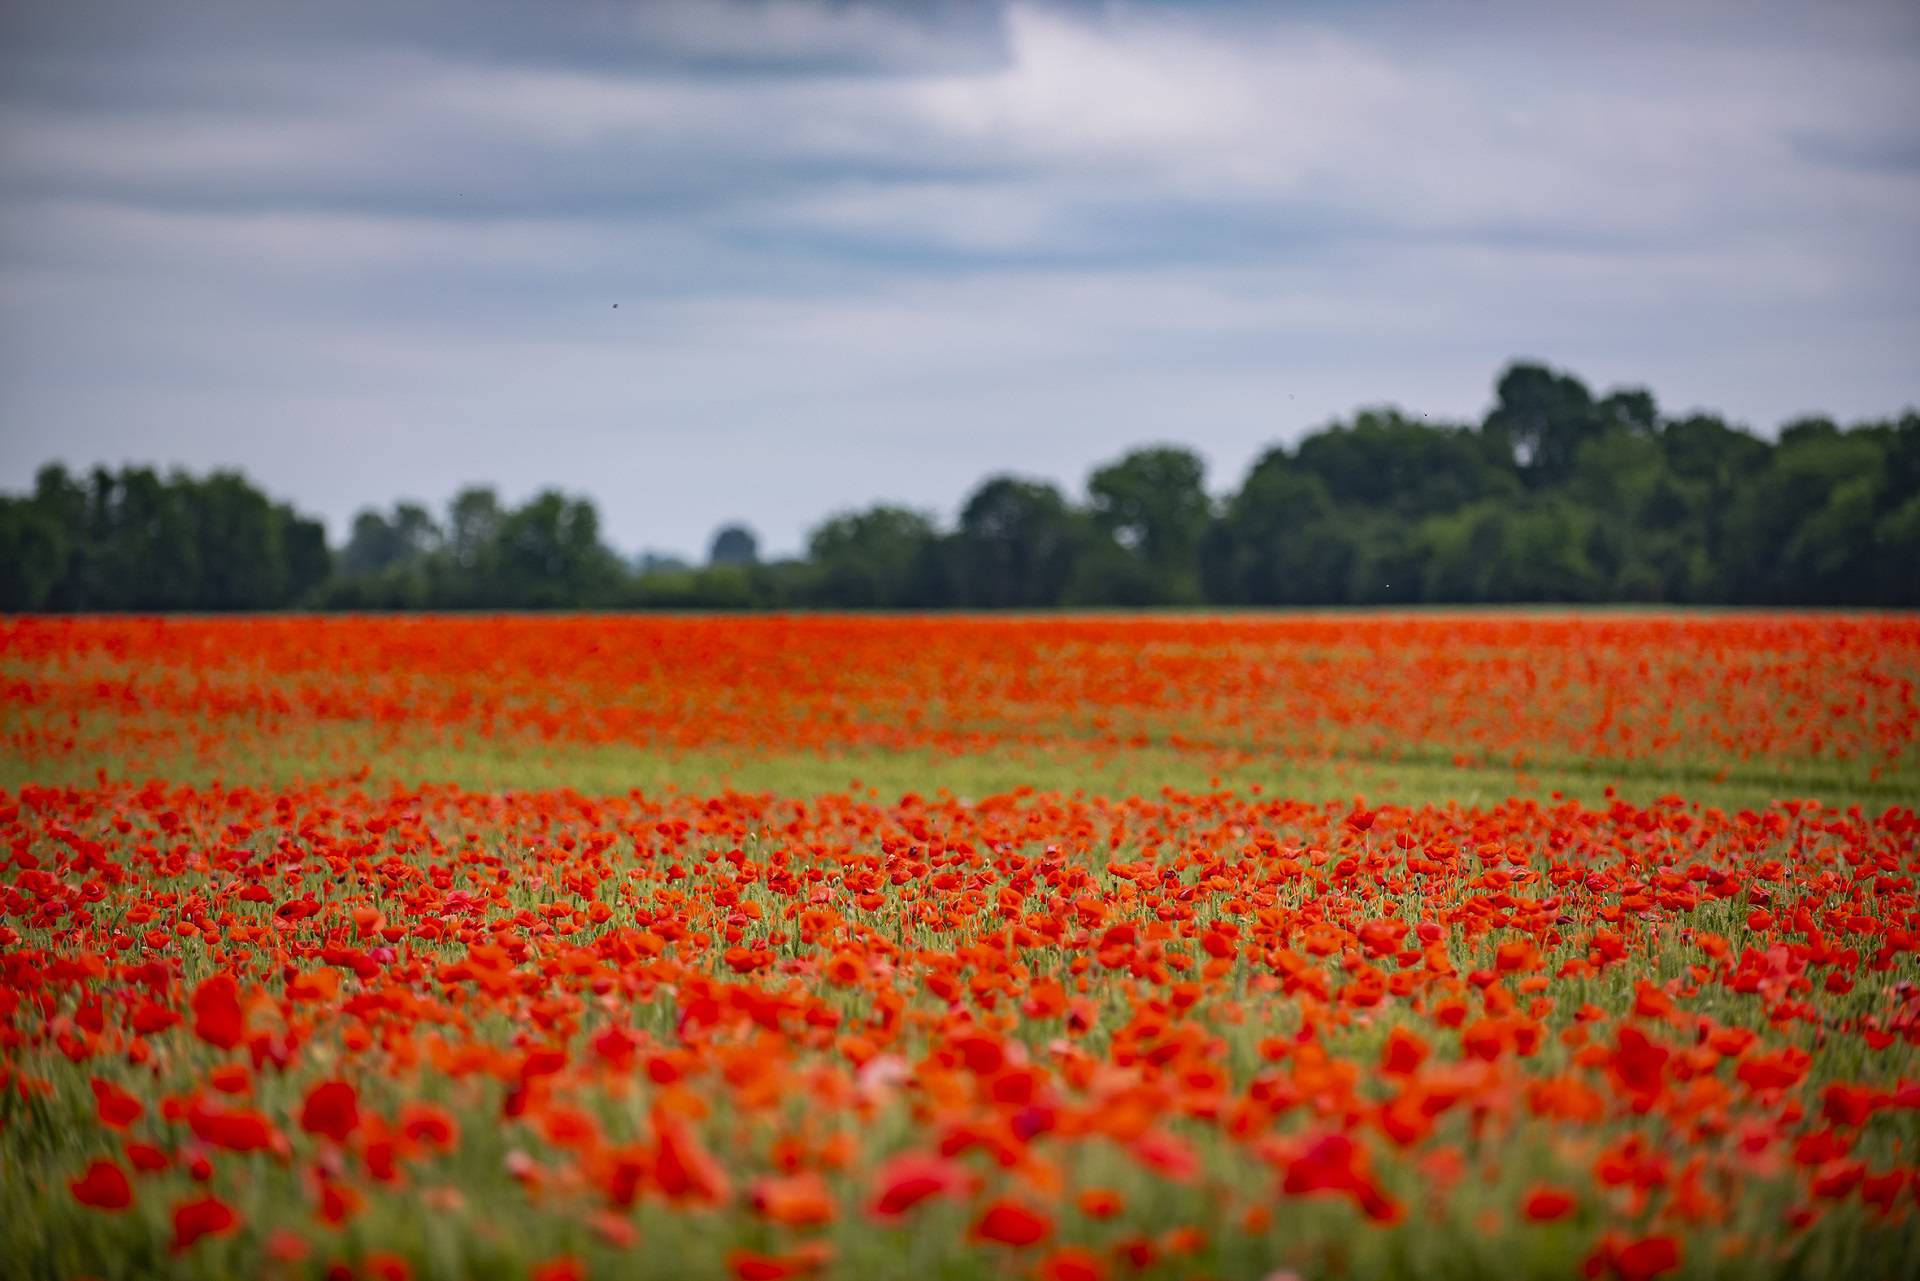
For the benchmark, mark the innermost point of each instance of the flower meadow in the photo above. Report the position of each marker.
(1698, 695)
(1612, 975)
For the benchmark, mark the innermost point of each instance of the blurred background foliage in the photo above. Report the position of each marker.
(1558, 495)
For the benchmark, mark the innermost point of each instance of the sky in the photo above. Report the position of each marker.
(706, 261)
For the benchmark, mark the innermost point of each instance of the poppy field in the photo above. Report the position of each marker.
(1066, 948)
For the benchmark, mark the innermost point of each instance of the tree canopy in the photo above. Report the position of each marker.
(1556, 495)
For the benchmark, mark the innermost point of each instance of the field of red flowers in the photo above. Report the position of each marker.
(1766, 696)
(382, 1026)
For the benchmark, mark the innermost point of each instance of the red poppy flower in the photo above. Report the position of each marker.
(907, 1180)
(1011, 1223)
(116, 1108)
(1545, 1204)
(104, 1187)
(683, 1169)
(217, 1017)
(202, 1217)
(1072, 1263)
(332, 1110)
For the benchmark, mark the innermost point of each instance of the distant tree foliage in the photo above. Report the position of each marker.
(1556, 496)
(1152, 506)
(135, 540)
(882, 558)
(1016, 545)
(735, 546)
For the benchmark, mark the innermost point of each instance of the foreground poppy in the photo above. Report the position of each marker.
(202, 1217)
(332, 1109)
(383, 1028)
(1011, 1223)
(103, 1187)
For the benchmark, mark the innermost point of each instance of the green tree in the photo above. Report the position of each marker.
(148, 550)
(1016, 545)
(884, 557)
(309, 560)
(1631, 409)
(1281, 540)
(1388, 462)
(461, 575)
(1638, 516)
(1153, 504)
(1556, 496)
(1387, 561)
(1544, 555)
(1802, 531)
(239, 545)
(1896, 548)
(1544, 417)
(62, 501)
(734, 545)
(473, 525)
(33, 555)
(379, 543)
(549, 555)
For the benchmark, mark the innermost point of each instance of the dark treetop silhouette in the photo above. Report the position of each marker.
(1556, 496)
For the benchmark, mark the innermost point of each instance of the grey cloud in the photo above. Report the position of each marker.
(867, 251)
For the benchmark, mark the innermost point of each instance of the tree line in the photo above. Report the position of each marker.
(1557, 495)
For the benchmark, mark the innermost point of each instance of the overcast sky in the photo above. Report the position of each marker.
(705, 261)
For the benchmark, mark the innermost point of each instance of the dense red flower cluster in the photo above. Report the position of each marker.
(441, 1033)
(1703, 692)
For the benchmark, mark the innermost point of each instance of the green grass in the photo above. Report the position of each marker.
(336, 751)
